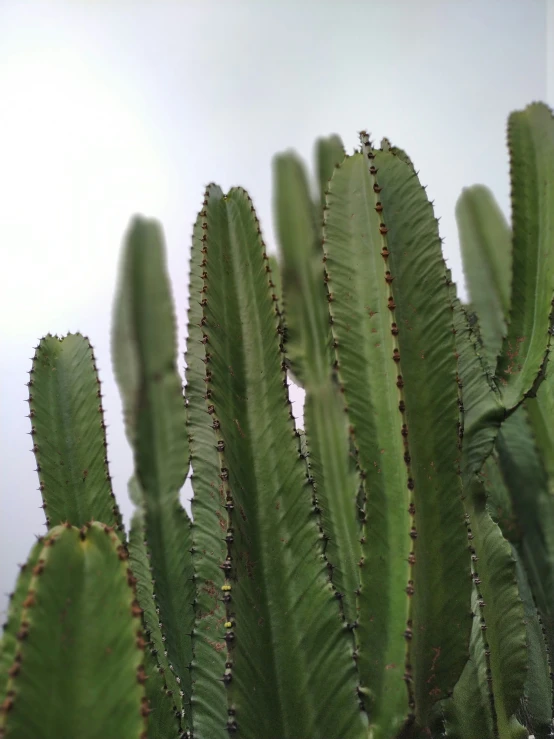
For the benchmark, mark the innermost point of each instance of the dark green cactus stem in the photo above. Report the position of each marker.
(541, 410)
(536, 703)
(470, 705)
(487, 248)
(289, 674)
(79, 666)
(482, 401)
(163, 720)
(69, 433)
(499, 500)
(500, 610)
(503, 623)
(397, 368)
(144, 356)
(210, 518)
(533, 506)
(523, 361)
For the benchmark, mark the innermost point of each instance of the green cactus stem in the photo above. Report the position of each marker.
(309, 346)
(210, 519)
(144, 356)
(69, 433)
(140, 565)
(486, 243)
(493, 565)
(536, 703)
(392, 322)
(290, 672)
(527, 482)
(79, 666)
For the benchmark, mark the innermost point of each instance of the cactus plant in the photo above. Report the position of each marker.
(384, 571)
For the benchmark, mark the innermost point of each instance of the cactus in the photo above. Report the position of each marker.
(387, 570)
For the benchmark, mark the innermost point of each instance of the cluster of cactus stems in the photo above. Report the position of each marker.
(386, 571)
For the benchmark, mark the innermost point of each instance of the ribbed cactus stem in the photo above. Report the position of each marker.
(278, 573)
(309, 348)
(493, 566)
(396, 365)
(144, 353)
(210, 517)
(79, 665)
(69, 433)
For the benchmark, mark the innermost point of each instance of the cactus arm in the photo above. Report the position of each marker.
(486, 244)
(144, 348)
(309, 335)
(163, 719)
(8, 643)
(493, 567)
(337, 484)
(78, 671)
(303, 294)
(162, 689)
(524, 354)
(138, 559)
(539, 514)
(500, 611)
(427, 364)
(68, 433)
(426, 346)
(308, 331)
(369, 325)
(209, 524)
(353, 271)
(482, 402)
(541, 411)
(536, 708)
(470, 705)
(533, 504)
(329, 152)
(275, 564)
(499, 501)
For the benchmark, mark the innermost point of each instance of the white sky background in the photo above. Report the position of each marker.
(112, 108)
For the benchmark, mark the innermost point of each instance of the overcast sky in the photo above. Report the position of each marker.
(113, 108)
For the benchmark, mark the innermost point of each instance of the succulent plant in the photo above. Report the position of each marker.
(385, 571)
